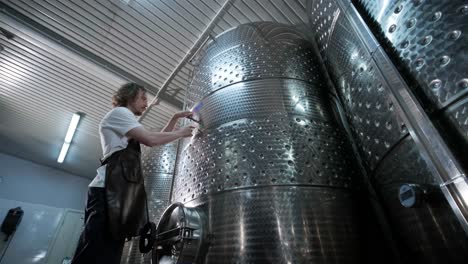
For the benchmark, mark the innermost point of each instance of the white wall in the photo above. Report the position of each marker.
(25, 181)
(44, 194)
(34, 235)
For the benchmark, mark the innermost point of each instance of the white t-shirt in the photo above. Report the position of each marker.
(112, 130)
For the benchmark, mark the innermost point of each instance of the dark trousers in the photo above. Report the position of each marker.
(96, 244)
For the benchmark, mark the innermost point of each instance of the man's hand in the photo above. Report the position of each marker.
(173, 121)
(186, 131)
(183, 114)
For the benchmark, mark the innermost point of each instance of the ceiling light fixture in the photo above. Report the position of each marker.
(68, 138)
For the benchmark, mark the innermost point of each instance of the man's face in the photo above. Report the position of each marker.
(139, 104)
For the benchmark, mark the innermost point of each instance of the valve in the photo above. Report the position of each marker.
(413, 195)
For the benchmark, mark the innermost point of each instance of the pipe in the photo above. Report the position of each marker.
(196, 47)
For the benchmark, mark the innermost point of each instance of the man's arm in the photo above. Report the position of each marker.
(173, 121)
(150, 138)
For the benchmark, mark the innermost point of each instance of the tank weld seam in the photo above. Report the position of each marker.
(386, 154)
(256, 79)
(275, 185)
(454, 102)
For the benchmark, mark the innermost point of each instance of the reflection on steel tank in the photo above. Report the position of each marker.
(427, 39)
(269, 168)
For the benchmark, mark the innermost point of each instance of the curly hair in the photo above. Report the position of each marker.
(127, 93)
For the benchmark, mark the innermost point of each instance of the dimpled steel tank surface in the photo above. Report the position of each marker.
(270, 169)
(427, 42)
(429, 39)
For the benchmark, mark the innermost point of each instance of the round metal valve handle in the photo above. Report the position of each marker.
(179, 235)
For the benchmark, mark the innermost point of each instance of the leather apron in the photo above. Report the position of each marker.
(127, 211)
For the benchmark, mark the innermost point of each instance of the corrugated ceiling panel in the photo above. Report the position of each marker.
(146, 38)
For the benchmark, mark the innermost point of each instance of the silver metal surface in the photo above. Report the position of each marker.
(392, 253)
(429, 233)
(252, 100)
(377, 8)
(366, 36)
(429, 36)
(396, 168)
(259, 51)
(345, 51)
(458, 114)
(342, 50)
(159, 159)
(131, 253)
(431, 162)
(270, 167)
(374, 120)
(252, 152)
(322, 19)
(181, 235)
(452, 179)
(282, 224)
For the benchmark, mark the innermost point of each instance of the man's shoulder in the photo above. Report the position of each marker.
(120, 110)
(118, 113)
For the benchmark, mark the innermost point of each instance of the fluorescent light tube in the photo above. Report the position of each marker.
(72, 128)
(68, 138)
(63, 152)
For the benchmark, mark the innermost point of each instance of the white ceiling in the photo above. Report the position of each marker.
(70, 56)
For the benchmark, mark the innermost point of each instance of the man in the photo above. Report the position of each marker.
(116, 206)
